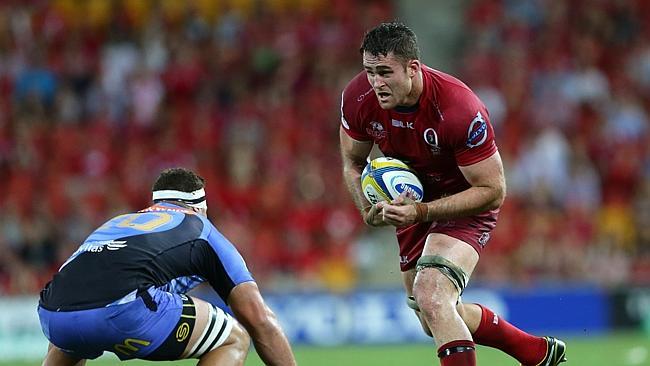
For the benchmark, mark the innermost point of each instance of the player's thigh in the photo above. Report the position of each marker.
(444, 268)
(56, 357)
(453, 250)
(213, 329)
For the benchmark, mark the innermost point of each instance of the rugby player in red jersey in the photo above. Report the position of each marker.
(438, 126)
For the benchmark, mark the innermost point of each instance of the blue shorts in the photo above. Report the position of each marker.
(129, 330)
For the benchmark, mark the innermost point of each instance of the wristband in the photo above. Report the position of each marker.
(421, 212)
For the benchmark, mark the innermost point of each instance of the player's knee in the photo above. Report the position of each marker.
(433, 296)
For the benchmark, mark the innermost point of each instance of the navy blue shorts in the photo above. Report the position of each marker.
(130, 330)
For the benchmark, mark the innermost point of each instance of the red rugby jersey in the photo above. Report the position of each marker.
(449, 127)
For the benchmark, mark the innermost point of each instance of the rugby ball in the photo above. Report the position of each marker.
(384, 179)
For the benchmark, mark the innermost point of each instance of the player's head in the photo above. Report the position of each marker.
(391, 58)
(181, 185)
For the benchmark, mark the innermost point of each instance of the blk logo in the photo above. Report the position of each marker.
(402, 124)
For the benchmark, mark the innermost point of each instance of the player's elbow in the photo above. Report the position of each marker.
(265, 329)
(498, 196)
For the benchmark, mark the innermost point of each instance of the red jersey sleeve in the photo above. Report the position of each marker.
(471, 134)
(352, 100)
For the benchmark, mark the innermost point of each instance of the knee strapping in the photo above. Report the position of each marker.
(455, 274)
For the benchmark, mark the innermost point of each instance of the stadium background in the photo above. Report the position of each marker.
(97, 96)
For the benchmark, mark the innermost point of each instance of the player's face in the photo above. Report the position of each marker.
(391, 80)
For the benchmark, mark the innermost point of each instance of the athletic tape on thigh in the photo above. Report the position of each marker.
(457, 276)
(215, 333)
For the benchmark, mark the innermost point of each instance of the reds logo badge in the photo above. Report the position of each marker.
(477, 132)
(483, 239)
(431, 138)
(376, 130)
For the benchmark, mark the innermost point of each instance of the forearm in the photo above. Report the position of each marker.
(271, 344)
(472, 201)
(353, 155)
(261, 324)
(352, 177)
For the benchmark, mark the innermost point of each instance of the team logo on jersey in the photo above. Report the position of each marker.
(484, 239)
(431, 138)
(376, 130)
(477, 132)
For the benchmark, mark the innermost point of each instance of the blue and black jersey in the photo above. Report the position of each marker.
(164, 246)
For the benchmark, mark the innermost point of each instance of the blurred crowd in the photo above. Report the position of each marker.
(96, 97)
(568, 87)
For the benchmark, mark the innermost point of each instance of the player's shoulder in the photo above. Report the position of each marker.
(456, 100)
(207, 225)
(357, 92)
(452, 91)
(358, 102)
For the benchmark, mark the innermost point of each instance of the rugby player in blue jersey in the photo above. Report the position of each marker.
(124, 289)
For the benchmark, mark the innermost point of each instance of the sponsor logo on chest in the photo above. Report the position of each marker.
(402, 124)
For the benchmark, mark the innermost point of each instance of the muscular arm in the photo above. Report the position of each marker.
(354, 154)
(261, 323)
(487, 192)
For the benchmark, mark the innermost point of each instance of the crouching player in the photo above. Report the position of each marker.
(124, 289)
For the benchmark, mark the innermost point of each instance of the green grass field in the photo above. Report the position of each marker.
(618, 350)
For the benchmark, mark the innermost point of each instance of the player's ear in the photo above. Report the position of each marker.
(200, 211)
(413, 67)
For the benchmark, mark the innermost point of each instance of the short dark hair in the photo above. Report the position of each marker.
(392, 37)
(178, 179)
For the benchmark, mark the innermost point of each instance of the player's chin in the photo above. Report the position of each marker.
(387, 103)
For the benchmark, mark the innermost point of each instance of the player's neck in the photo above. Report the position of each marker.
(416, 91)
